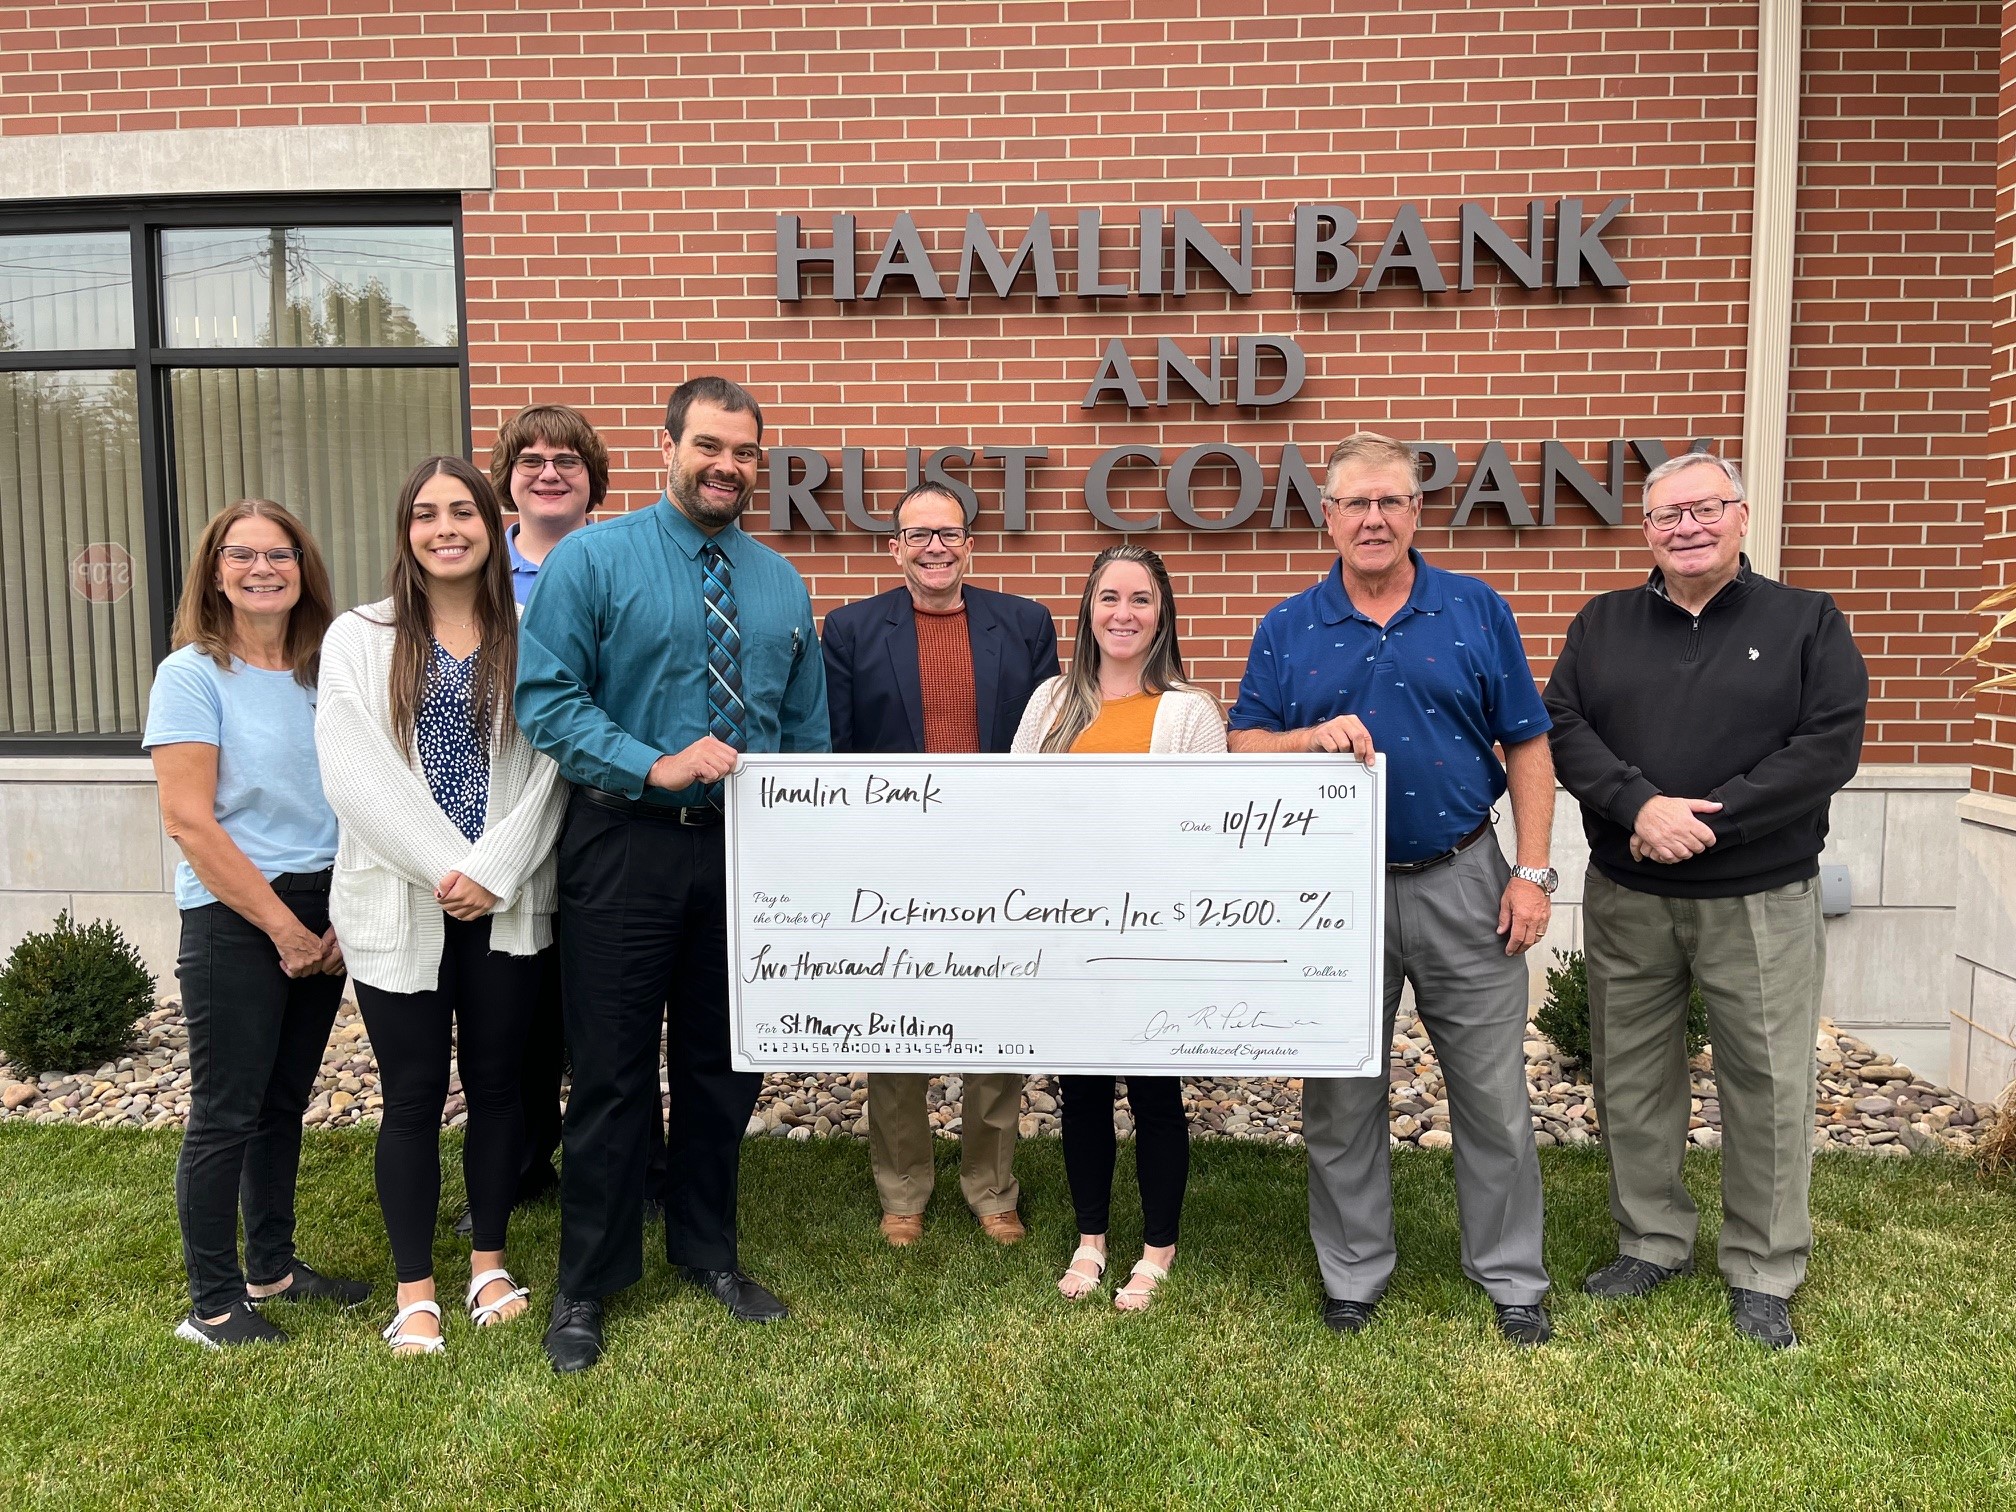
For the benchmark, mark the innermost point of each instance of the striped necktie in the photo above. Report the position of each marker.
(724, 654)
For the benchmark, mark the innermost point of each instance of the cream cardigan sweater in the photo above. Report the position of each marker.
(1186, 719)
(394, 844)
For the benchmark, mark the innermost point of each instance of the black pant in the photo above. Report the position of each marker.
(539, 1076)
(643, 927)
(1161, 1151)
(487, 998)
(256, 1038)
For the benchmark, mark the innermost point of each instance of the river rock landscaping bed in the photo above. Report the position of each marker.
(1866, 1101)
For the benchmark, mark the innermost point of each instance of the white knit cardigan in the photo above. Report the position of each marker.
(1186, 719)
(395, 844)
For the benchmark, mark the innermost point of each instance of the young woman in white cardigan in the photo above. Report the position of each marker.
(444, 889)
(1124, 692)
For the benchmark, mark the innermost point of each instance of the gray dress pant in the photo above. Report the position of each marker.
(1441, 936)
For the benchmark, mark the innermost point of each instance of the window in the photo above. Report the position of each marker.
(158, 362)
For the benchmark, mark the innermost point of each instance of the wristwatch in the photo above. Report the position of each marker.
(1544, 878)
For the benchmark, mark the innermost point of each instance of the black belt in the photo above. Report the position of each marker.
(292, 882)
(699, 816)
(1448, 855)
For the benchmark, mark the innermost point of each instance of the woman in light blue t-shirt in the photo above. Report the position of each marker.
(231, 726)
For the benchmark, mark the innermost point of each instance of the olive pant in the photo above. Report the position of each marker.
(899, 1140)
(1759, 959)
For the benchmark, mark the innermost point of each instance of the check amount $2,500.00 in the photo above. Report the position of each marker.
(1173, 914)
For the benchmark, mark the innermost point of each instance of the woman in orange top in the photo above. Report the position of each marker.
(1124, 692)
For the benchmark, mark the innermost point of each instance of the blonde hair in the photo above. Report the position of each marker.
(1370, 446)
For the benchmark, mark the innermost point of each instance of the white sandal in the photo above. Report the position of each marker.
(1093, 1283)
(398, 1339)
(1154, 1274)
(485, 1314)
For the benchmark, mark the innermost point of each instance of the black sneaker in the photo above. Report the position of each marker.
(1762, 1317)
(1628, 1276)
(1524, 1323)
(241, 1325)
(310, 1285)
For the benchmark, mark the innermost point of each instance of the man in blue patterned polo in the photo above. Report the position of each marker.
(659, 646)
(1389, 653)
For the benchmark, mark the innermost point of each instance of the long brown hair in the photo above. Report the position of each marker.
(413, 618)
(1161, 664)
(205, 619)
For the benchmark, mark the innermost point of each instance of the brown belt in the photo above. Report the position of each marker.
(1448, 855)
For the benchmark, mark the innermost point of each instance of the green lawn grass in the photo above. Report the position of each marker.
(952, 1375)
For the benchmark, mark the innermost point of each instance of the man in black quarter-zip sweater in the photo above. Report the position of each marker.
(1704, 721)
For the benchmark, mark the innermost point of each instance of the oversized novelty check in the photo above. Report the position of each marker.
(1177, 914)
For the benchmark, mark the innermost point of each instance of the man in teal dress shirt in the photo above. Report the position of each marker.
(614, 684)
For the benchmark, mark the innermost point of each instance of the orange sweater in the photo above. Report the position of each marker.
(1123, 727)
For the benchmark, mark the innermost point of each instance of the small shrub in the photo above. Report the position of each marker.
(70, 998)
(1564, 1016)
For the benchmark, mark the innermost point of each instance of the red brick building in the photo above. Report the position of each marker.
(344, 233)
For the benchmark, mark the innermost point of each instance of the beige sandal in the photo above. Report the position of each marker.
(403, 1342)
(1146, 1270)
(1087, 1284)
(487, 1314)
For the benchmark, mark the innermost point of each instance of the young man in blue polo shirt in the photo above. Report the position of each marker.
(550, 469)
(1389, 653)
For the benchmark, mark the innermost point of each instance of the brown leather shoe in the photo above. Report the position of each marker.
(1003, 1228)
(902, 1229)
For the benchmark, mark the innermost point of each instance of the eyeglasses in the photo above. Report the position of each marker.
(1385, 503)
(1705, 512)
(531, 464)
(917, 537)
(280, 558)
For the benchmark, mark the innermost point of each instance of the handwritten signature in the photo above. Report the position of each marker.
(1214, 1019)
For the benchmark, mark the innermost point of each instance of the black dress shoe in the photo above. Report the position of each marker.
(1762, 1317)
(1628, 1276)
(574, 1336)
(1523, 1323)
(747, 1301)
(1347, 1317)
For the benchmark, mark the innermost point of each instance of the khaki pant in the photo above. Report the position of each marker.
(899, 1141)
(1760, 960)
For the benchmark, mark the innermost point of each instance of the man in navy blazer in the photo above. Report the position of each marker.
(935, 665)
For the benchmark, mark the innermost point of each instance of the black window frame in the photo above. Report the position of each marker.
(151, 361)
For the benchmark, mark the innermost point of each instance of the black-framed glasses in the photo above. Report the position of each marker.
(1705, 512)
(1358, 508)
(917, 537)
(531, 464)
(279, 558)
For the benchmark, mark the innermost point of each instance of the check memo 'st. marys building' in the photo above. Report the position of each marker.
(1108, 267)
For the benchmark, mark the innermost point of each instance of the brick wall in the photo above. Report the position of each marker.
(643, 151)
(1995, 726)
(1887, 435)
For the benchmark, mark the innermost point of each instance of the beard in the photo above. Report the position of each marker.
(685, 490)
